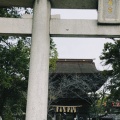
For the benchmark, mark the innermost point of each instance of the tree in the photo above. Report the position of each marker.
(14, 67)
(76, 86)
(111, 56)
(14, 59)
(53, 55)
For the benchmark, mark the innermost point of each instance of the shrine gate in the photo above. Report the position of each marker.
(42, 26)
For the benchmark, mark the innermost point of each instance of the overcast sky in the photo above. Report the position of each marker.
(80, 48)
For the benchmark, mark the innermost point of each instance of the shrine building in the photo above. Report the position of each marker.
(74, 80)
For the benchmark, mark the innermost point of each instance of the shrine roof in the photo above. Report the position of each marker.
(78, 69)
(60, 4)
(75, 66)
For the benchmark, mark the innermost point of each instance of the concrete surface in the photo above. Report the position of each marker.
(37, 97)
(109, 12)
(60, 28)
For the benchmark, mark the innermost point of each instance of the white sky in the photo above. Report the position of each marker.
(80, 48)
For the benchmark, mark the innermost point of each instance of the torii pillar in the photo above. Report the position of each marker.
(40, 30)
(39, 63)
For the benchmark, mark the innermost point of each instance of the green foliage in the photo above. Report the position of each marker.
(101, 104)
(53, 55)
(14, 66)
(14, 12)
(9, 12)
(111, 56)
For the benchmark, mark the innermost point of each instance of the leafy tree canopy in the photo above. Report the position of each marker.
(14, 67)
(111, 56)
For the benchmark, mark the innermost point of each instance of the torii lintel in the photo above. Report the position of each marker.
(68, 4)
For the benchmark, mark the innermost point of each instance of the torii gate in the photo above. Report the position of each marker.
(42, 26)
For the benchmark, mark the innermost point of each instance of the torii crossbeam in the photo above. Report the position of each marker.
(67, 4)
(41, 27)
(60, 28)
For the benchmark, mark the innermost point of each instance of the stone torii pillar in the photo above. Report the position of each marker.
(39, 63)
(40, 29)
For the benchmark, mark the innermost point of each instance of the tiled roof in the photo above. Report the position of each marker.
(75, 66)
(82, 70)
(74, 79)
